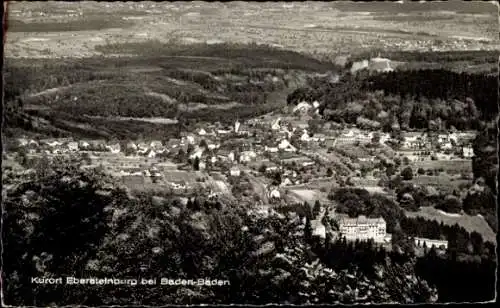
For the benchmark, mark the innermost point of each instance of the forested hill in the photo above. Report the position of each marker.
(441, 84)
(200, 82)
(416, 99)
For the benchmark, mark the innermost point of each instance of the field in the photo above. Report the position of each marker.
(307, 195)
(469, 223)
(443, 182)
(147, 95)
(451, 166)
(319, 28)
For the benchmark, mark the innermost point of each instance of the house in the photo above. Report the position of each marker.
(202, 165)
(196, 153)
(114, 148)
(276, 125)
(286, 182)
(421, 242)
(83, 145)
(177, 184)
(383, 138)
(132, 146)
(415, 141)
(22, 142)
(271, 149)
(202, 132)
(231, 156)
(223, 131)
(212, 146)
(151, 154)
(155, 144)
(274, 194)
(237, 126)
(234, 171)
(468, 152)
(362, 228)
(247, 156)
(72, 146)
(302, 107)
(359, 65)
(316, 104)
(305, 136)
(190, 139)
(286, 146)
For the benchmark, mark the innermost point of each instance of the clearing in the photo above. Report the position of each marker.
(469, 223)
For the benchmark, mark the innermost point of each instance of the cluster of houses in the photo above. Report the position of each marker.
(421, 146)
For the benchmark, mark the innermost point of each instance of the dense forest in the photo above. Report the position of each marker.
(414, 99)
(266, 259)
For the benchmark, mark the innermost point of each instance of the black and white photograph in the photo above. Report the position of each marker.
(249, 153)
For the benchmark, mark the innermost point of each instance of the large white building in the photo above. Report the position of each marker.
(362, 228)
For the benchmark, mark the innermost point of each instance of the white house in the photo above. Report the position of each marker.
(151, 154)
(131, 146)
(231, 156)
(468, 152)
(302, 107)
(73, 146)
(190, 139)
(247, 156)
(213, 146)
(316, 104)
(223, 131)
(286, 182)
(83, 145)
(420, 242)
(305, 136)
(274, 194)
(271, 149)
(202, 165)
(114, 148)
(156, 144)
(237, 126)
(202, 132)
(197, 153)
(234, 171)
(276, 125)
(286, 146)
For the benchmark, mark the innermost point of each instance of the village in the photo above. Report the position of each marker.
(269, 160)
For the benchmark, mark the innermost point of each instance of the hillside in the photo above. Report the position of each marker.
(203, 83)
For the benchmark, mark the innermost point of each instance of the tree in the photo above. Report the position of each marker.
(407, 174)
(329, 172)
(190, 148)
(196, 163)
(421, 171)
(316, 208)
(54, 233)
